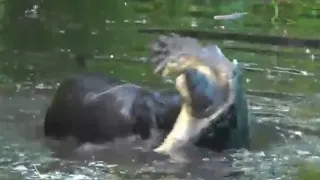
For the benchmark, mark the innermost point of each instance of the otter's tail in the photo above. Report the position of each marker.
(166, 46)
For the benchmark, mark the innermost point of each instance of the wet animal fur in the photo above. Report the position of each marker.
(175, 54)
(95, 108)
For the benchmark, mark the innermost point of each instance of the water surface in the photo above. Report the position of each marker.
(38, 42)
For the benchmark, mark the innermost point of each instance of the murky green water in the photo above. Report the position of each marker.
(39, 38)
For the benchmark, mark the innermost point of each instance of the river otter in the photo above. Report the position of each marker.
(95, 108)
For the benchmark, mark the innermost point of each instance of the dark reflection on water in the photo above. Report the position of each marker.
(26, 153)
(39, 40)
(276, 141)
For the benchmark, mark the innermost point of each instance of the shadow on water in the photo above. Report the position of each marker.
(276, 42)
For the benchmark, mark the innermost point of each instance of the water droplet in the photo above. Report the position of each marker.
(20, 168)
(262, 154)
(111, 165)
(304, 73)
(205, 159)
(298, 133)
(194, 23)
(235, 61)
(301, 152)
(312, 57)
(79, 177)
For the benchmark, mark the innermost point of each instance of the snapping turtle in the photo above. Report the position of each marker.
(210, 86)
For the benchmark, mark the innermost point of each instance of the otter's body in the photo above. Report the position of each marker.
(95, 108)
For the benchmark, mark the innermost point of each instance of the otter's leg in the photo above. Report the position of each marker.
(146, 125)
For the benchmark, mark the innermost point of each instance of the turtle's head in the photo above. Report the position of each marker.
(171, 54)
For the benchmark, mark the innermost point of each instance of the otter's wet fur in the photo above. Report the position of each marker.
(213, 71)
(96, 108)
